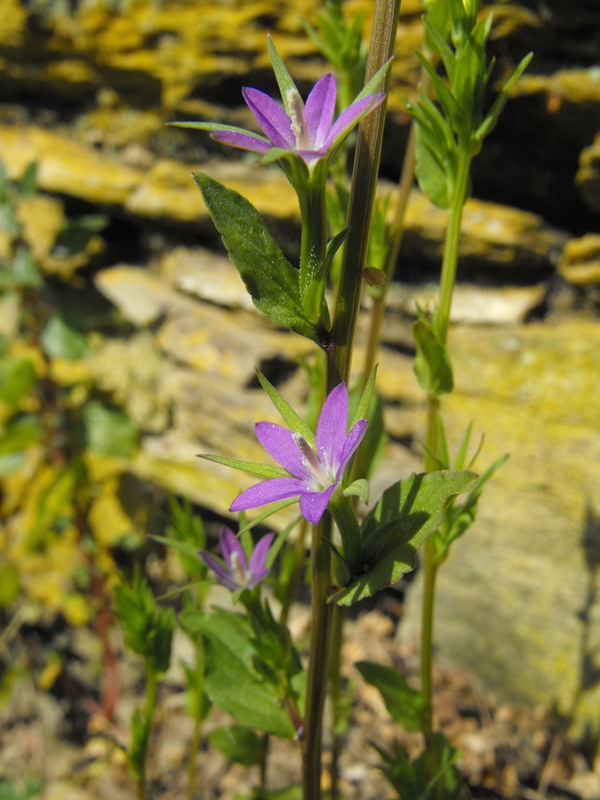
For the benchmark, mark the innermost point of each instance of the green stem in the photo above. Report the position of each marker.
(191, 764)
(452, 241)
(317, 664)
(313, 245)
(395, 232)
(337, 635)
(300, 547)
(447, 282)
(151, 693)
(362, 194)
(198, 718)
(362, 197)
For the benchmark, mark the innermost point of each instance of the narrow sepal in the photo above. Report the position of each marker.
(251, 467)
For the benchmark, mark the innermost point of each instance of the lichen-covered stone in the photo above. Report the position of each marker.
(588, 174)
(580, 262)
(518, 599)
(494, 238)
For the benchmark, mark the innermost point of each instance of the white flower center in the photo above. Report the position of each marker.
(237, 568)
(321, 473)
(296, 114)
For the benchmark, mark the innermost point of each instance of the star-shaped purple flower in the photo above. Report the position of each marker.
(296, 129)
(305, 129)
(237, 573)
(314, 473)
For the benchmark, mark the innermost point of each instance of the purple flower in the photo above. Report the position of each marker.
(237, 573)
(314, 473)
(305, 129)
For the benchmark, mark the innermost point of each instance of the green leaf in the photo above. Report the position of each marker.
(284, 79)
(460, 517)
(430, 167)
(238, 744)
(405, 514)
(17, 379)
(19, 433)
(28, 181)
(148, 627)
(405, 705)
(360, 488)
(25, 269)
(9, 585)
(75, 236)
(489, 123)
(432, 361)
(270, 279)
(232, 682)
(432, 775)
(294, 422)
(60, 340)
(109, 431)
(251, 467)
(31, 787)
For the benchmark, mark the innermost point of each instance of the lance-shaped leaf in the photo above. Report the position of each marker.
(405, 514)
(271, 281)
(232, 682)
(405, 705)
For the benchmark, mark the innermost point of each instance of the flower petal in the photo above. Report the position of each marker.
(280, 445)
(222, 573)
(271, 117)
(259, 555)
(268, 492)
(348, 118)
(319, 110)
(331, 428)
(313, 504)
(354, 438)
(257, 578)
(229, 545)
(244, 141)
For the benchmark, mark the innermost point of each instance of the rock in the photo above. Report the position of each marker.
(588, 174)
(580, 262)
(205, 275)
(165, 192)
(550, 118)
(66, 167)
(132, 370)
(518, 598)
(496, 242)
(41, 218)
(471, 304)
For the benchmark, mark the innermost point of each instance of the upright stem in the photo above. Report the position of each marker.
(151, 692)
(447, 282)
(362, 197)
(337, 630)
(317, 666)
(395, 240)
(313, 245)
(198, 718)
(362, 194)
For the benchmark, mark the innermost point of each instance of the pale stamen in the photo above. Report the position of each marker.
(296, 114)
(310, 460)
(237, 568)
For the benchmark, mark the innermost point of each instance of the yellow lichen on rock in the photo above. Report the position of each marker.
(580, 261)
